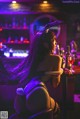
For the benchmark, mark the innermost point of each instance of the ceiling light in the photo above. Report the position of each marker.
(45, 1)
(13, 1)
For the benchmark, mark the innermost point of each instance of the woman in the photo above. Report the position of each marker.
(40, 66)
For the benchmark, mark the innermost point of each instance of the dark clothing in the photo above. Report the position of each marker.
(27, 113)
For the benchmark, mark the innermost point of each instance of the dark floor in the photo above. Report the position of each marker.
(73, 109)
(72, 112)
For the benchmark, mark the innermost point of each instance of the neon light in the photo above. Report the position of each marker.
(16, 54)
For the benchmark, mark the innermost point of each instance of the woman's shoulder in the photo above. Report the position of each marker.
(55, 56)
(52, 57)
(49, 63)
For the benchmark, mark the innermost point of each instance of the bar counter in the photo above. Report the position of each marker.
(70, 87)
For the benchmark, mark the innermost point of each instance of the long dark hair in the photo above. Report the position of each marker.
(41, 46)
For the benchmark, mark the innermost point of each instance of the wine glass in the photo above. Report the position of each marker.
(71, 61)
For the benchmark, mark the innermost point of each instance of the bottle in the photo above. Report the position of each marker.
(74, 48)
(62, 54)
(57, 50)
(11, 52)
(24, 23)
(9, 39)
(67, 56)
(21, 39)
(13, 23)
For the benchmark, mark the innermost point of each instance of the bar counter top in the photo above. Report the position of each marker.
(75, 70)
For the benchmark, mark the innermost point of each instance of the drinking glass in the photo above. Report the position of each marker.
(71, 61)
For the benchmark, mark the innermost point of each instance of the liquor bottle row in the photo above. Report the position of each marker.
(68, 54)
(14, 24)
(15, 40)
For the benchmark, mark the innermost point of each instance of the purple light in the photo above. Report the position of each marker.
(77, 98)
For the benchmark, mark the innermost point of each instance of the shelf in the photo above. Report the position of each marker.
(26, 43)
(15, 31)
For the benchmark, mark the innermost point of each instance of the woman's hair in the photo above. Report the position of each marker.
(41, 46)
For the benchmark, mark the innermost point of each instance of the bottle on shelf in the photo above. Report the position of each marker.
(13, 23)
(9, 39)
(62, 54)
(57, 49)
(21, 39)
(11, 52)
(73, 48)
(24, 23)
(1, 44)
(6, 25)
(67, 56)
(16, 39)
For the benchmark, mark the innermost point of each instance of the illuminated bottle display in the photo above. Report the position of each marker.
(14, 36)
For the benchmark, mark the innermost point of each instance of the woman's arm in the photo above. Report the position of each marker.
(55, 80)
(55, 77)
(56, 72)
